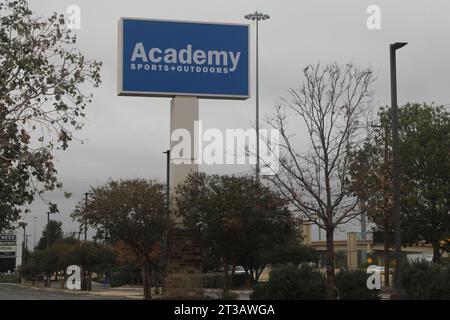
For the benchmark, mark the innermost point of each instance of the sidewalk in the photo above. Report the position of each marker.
(217, 293)
(135, 292)
(129, 293)
(98, 290)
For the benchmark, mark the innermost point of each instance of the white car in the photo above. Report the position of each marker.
(239, 270)
(373, 268)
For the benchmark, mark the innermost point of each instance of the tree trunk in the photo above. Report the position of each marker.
(435, 242)
(226, 284)
(146, 281)
(386, 258)
(436, 252)
(331, 293)
(83, 280)
(89, 281)
(258, 273)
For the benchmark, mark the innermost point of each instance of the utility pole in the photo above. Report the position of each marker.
(35, 218)
(364, 235)
(47, 276)
(386, 187)
(396, 161)
(24, 245)
(26, 241)
(48, 229)
(86, 195)
(168, 181)
(257, 16)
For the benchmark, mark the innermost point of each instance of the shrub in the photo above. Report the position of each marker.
(292, 283)
(229, 296)
(216, 281)
(352, 285)
(10, 278)
(426, 281)
(445, 261)
(126, 275)
(240, 281)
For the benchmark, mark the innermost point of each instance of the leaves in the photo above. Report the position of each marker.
(129, 213)
(90, 256)
(54, 231)
(240, 221)
(425, 173)
(41, 101)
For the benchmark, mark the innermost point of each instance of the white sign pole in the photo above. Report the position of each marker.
(184, 112)
(183, 279)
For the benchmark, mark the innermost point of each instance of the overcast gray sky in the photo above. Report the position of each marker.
(126, 136)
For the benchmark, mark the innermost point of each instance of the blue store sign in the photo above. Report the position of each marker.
(170, 58)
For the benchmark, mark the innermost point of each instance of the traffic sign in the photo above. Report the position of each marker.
(8, 245)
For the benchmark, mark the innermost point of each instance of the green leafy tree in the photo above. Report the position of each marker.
(293, 252)
(50, 260)
(54, 231)
(425, 154)
(131, 213)
(89, 256)
(42, 102)
(241, 222)
(371, 180)
(276, 240)
(425, 176)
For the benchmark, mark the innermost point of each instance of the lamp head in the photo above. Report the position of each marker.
(398, 45)
(257, 16)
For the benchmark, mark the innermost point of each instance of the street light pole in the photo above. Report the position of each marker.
(24, 246)
(396, 161)
(48, 229)
(168, 180)
(35, 218)
(86, 195)
(257, 16)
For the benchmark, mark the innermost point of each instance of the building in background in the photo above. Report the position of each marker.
(11, 250)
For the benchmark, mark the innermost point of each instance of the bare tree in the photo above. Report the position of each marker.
(332, 102)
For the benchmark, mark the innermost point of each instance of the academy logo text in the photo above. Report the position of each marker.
(185, 60)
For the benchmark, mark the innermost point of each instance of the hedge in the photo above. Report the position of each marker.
(352, 285)
(426, 281)
(292, 283)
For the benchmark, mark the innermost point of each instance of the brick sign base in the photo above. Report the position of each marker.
(184, 266)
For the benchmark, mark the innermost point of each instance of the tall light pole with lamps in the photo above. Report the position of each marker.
(167, 153)
(396, 161)
(35, 219)
(86, 198)
(23, 225)
(257, 16)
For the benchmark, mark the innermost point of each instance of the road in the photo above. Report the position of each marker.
(18, 292)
